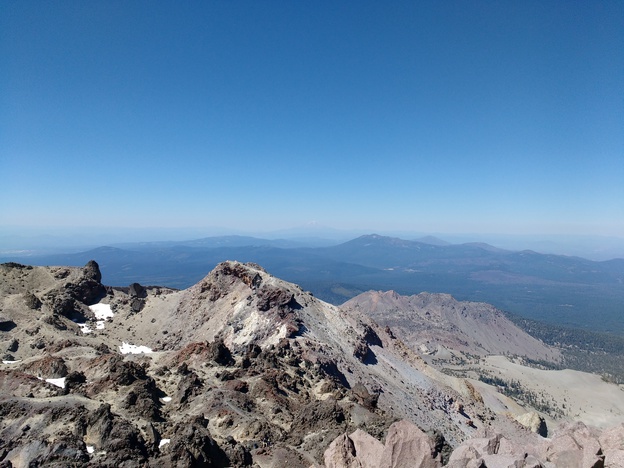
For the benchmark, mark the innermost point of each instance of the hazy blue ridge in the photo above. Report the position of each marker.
(563, 290)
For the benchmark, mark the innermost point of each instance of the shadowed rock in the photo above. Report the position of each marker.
(193, 446)
(32, 301)
(220, 353)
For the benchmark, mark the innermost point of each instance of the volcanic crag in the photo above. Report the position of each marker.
(242, 369)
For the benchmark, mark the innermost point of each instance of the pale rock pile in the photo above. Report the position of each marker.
(574, 445)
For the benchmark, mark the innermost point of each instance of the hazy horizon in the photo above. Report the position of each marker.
(64, 240)
(429, 117)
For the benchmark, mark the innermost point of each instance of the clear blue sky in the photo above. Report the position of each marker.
(464, 116)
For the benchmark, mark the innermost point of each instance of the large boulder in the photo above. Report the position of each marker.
(574, 445)
(612, 443)
(408, 446)
(534, 422)
(341, 454)
(368, 449)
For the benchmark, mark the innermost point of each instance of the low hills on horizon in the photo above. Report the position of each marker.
(561, 290)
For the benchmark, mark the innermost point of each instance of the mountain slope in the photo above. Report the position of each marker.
(562, 290)
(436, 323)
(240, 368)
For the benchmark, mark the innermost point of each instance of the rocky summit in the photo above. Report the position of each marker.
(241, 369)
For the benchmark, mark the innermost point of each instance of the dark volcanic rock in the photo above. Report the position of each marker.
(193, 446)
(74, 381)
(363, 352)
(324, 413)
(125, 372)
(92, 271)
(13, 346)
(136, 290)
(87, 290)
(189, 385)
(6, 324)
(143, 400)
(120, 439)
(63, 303)
(55, 320)
(48, 367)
(370, 336)
(137, 304)
(271, 297)
(220, 353)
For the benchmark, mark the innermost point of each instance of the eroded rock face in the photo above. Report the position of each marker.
(408, 446)
(219, 353)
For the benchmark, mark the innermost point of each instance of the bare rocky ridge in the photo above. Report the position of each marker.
(241, 369)
(437, 323)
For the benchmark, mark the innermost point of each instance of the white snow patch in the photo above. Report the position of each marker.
(99, 325)
(90, 449)
(163, 442)
(84, 328)
(58, 382)
(166, 399)
(281, 333)
(127, 348)
(10, 362)
(101, 311)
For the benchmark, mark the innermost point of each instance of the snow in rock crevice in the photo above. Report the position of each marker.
(60, 382)
(101, 311)
(127, 348)
(163, 442)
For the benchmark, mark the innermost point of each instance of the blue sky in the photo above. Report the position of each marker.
(497, 117)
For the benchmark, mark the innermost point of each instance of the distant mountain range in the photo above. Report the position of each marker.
(558, 289)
